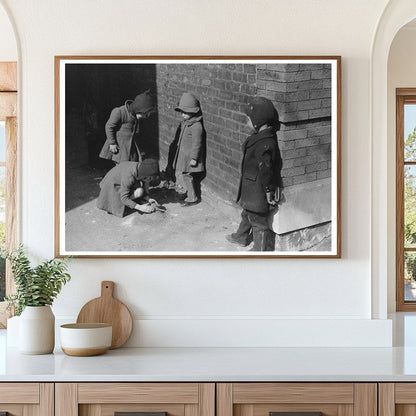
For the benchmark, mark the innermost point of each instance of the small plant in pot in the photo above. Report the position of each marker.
(36, 289)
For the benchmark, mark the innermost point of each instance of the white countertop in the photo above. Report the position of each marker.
(215, 364)
(221, 364)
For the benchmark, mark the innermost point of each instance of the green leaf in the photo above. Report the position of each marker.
(35, 286)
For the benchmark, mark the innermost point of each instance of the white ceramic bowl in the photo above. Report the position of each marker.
(83, 340)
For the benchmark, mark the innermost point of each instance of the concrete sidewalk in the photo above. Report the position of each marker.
(200, 227)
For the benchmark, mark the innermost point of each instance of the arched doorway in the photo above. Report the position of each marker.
(383, 239)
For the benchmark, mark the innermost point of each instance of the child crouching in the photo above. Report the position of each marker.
(125, 188)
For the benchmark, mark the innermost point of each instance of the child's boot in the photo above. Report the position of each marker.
(191, 197)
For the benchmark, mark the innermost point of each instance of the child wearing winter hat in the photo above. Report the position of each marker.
(189, 156)
(123, 129)
(126, 187)
(260, 177)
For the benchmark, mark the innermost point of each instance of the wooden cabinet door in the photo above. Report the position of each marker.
(397, 399)
(27, 399)
(107, 399)
(297, 399)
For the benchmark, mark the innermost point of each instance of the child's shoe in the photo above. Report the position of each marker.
(232, 238)
(186, 203)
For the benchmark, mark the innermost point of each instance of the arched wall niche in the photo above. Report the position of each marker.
(396, 15)
(9, 49)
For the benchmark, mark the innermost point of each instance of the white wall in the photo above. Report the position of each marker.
(8, 46)
(224, 301)
(401, 74)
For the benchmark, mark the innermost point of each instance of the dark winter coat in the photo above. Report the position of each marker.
(191, 144)
(121, 129)
(117, 187)
(260, 170)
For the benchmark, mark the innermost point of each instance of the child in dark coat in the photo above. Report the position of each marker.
(190, 152)
(124, 129)
(126, 186)
(260, 180)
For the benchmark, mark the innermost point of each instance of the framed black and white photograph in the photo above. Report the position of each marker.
(198, 156)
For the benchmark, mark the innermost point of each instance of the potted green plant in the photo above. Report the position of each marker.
(36, 289)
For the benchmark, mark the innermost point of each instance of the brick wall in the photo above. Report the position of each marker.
(302, 96)
(300, 92)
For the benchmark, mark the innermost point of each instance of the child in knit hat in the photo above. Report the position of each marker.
(125, 188)
(123, 129)
(189, 157)
(260, 177)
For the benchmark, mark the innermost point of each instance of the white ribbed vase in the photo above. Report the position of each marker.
(37, 330)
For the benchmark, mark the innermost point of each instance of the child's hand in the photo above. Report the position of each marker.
(270, 199)
(277, 194)
(193, 163)
(145, 208)
(152, 201)
(113, 148)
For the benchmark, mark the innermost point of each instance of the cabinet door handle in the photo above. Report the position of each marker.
(295, 413)
(139, 414)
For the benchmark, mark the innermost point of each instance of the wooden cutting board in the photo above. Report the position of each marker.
(108, 310)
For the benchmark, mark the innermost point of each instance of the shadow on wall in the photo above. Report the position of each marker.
(91, 92)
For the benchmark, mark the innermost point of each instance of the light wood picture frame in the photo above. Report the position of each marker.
(94, 99)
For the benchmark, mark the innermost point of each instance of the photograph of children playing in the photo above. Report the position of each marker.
(198, 158)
